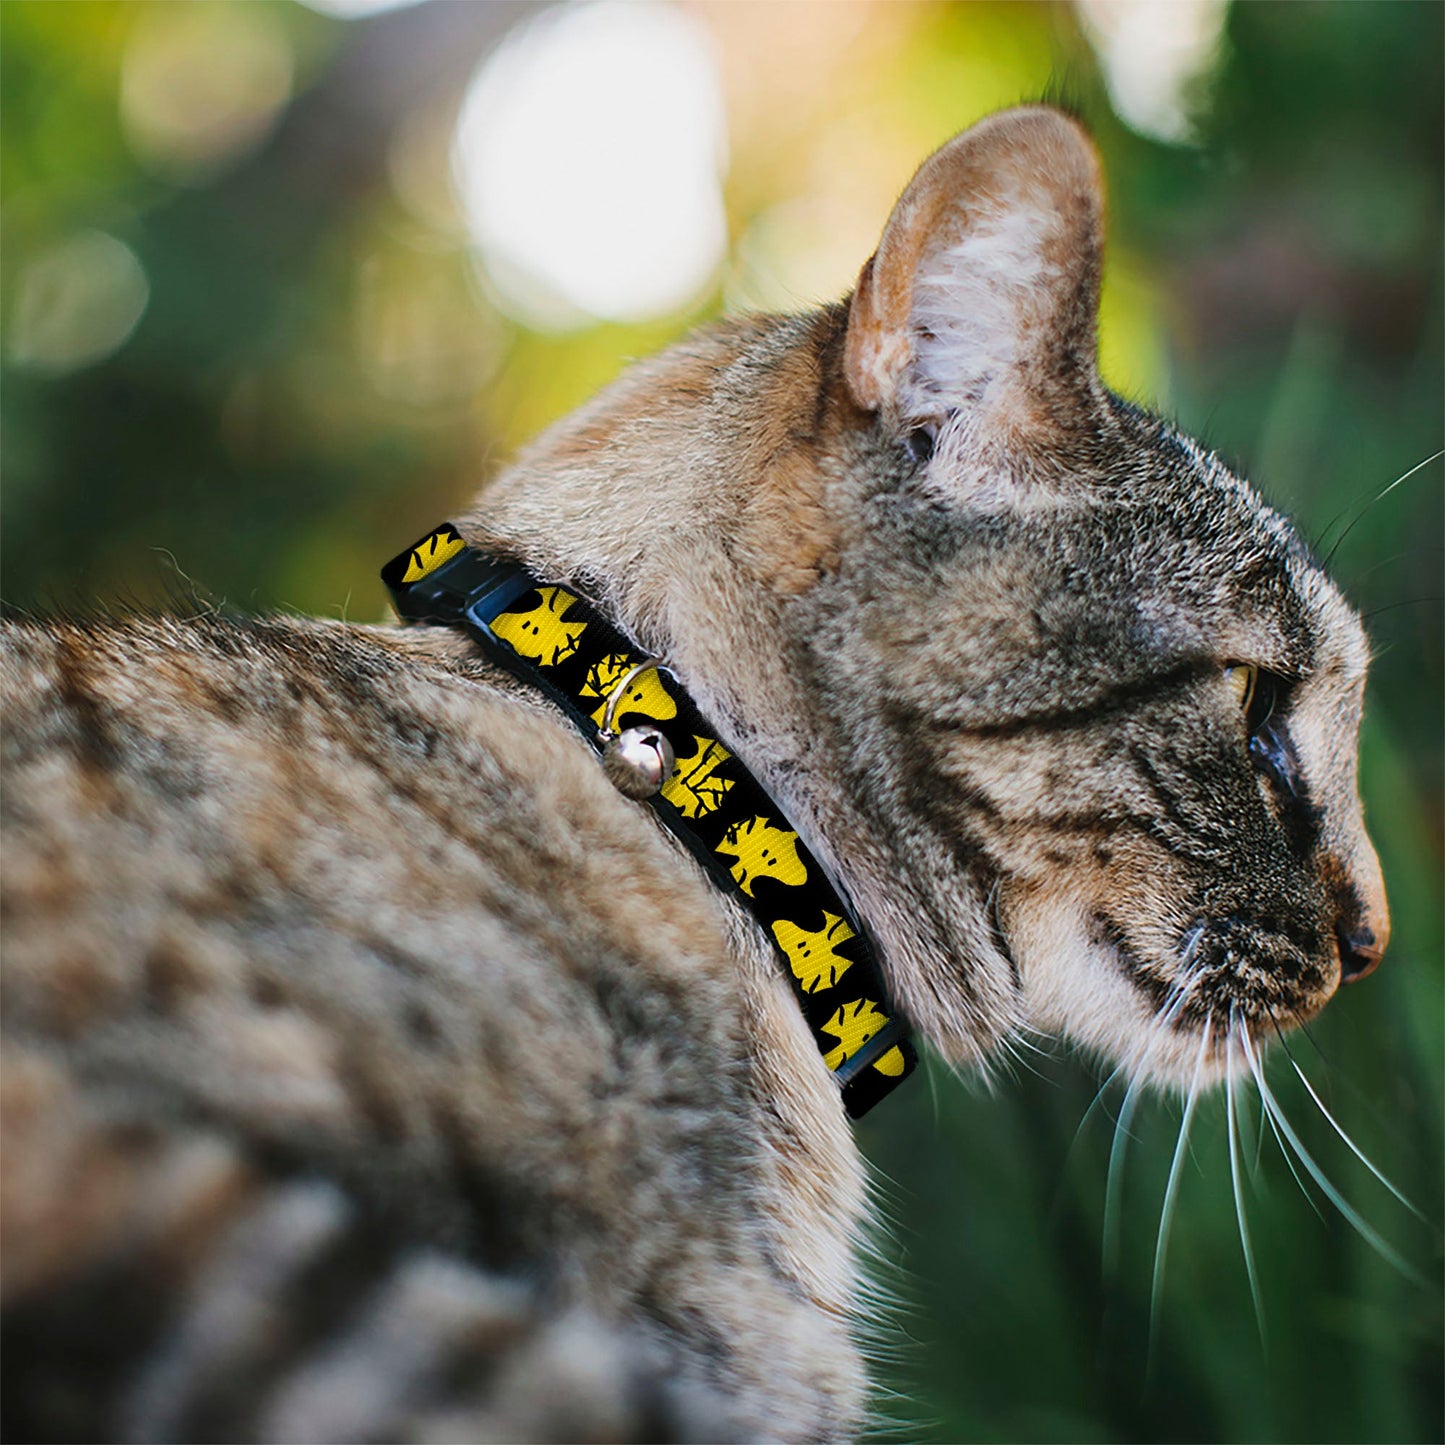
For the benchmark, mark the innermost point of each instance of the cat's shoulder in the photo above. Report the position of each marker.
(291, 900)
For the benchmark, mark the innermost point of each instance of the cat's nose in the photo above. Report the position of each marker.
(1360, 952)
(1363, 927)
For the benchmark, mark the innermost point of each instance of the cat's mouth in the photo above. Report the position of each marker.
(1171, 1009)
(1230, 972)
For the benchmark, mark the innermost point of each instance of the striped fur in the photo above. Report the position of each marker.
(373, 1070)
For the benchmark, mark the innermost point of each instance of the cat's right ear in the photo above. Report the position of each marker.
(982, 297)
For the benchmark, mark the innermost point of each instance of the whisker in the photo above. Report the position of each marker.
(1285, 1154)
(1411, 552)
(1258, 1143)
(1174, 1002)
(1350, 1143)
(1350, 1213)
(932, 1078)
(1021, 1040)
(1266, 1118)
(1251, 1142)
(1230, 1100)
(1089, 1114)
(1009, 1044)
(1114, 1180)
(1309, 1033)
(1171, 1190)
(1098, 1096)
(1123, 1132)
(1379, 497)
(1337, 1083)
(1391, 606)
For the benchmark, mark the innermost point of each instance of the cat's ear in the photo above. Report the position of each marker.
(983, 294)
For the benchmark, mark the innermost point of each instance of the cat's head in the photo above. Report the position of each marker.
(1069, 711)
(1100, 697)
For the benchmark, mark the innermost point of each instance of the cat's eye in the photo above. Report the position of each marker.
(1242, 679)
(919, 443)
(1255, 692)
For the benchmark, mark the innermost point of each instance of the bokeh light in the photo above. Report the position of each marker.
(588, 159)
(357, 9)
(1156, 53)
(76, 303)
(202, 84)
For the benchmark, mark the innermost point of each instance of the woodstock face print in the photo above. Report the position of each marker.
(853, 1025)
(645, 694)
(812, 956)
(763, 851)
(696, 788)
(441, 546)
(543, 634)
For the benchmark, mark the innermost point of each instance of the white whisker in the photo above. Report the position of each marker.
(1249, 1128)
(1353, 1147)
(1350, 1213)
(1230, 1102)
(1377, 498)
(1094, 1104)
(1009, 1044)
(1286, 1155)
(1171, 1188)
(1114, 1184)
(1258, 1139)
(1024, 1042)
(1267, 1118)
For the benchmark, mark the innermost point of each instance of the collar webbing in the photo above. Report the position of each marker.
(550, 637)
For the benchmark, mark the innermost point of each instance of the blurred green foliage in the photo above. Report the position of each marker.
(317, 376)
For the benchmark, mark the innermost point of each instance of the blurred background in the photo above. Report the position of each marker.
(284, 284)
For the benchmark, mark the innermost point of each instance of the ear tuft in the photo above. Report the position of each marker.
(983, 293)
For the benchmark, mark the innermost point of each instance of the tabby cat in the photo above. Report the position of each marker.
(375, 1070)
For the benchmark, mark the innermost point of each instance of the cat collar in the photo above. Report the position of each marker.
(553, 639)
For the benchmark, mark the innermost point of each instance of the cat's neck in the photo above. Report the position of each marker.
(672, 503)
(695, 503)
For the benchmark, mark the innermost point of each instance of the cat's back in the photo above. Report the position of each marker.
(304, 906)
(250, 750)
(263, 777)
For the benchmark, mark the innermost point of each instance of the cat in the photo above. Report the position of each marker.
(375, 1069)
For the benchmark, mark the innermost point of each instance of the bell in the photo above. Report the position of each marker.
(638, 761)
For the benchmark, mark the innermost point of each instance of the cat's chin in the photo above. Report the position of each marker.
(1078, 984)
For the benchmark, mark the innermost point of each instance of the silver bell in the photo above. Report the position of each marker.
(638, 761)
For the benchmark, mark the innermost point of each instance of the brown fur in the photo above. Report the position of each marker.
(385, 1074)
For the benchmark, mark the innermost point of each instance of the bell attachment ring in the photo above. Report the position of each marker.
(637, 761)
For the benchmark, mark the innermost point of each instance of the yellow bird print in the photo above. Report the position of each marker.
(853, 1025)
(892, 1063)
(541, 633)
(763, 851)
(428, 555)
(645, 693)
(695, 789)
(811, 956)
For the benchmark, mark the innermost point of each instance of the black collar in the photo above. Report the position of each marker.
(551, 638)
